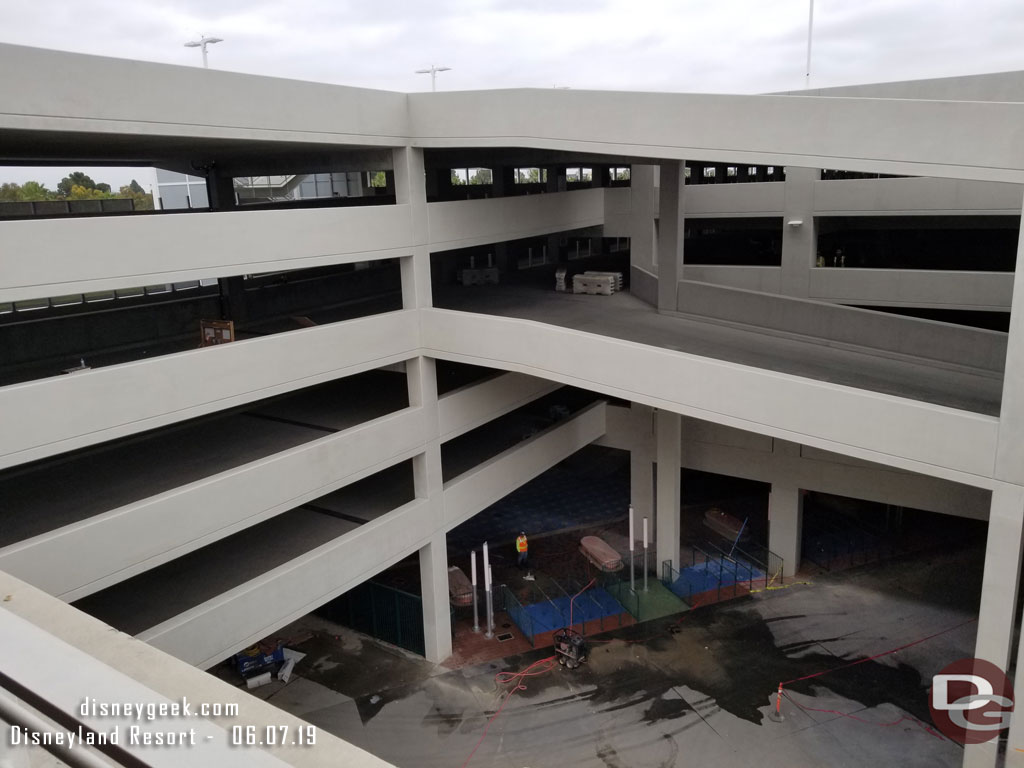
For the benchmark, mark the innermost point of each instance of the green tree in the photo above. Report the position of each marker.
(457, 180)
(10, 192)
(34, 191)
(79, 179)
(482, 176)
(79, 192)
(143, 201)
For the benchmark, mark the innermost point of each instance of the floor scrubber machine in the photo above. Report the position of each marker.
(570, 647)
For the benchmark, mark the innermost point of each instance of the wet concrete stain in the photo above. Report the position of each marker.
(726, 652)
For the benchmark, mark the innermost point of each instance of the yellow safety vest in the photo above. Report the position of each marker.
(521, 544)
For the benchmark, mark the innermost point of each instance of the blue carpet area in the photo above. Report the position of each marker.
(558, 499)
(554, 614)
(705, 576)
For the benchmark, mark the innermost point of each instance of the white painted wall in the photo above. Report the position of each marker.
(921, 138)
(164, 676)
(148, 99)
(477, 403)
(79, 559)
(50, 416)
(497, 477)
(56, 257)
(464, 223)
(989, 291)
(221, 626)
(710, 447)
(918, 436)
(952, 345)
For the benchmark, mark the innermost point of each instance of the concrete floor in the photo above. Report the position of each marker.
(624, 317)
(471, 449)
(673, 692)
(161, 593)
(47, 495)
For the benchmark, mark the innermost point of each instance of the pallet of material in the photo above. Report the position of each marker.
(617, 276)
(593, 284)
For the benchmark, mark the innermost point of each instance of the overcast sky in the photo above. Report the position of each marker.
(723, 46)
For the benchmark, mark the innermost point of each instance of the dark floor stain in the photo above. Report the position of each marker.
(607, 755)
(666, 709)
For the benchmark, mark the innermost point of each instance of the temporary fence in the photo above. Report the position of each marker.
(716, 575)
(550, 612)
(382, 612)
(832, 542)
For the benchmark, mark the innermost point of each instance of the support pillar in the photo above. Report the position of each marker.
(437, 626)
(1005, 528)
(785, 526)
(669, 429)
(641, 229)
(641, 463)
(799, 242)
(421, 375)
(670, 235)
(411, 190)
(997, 614)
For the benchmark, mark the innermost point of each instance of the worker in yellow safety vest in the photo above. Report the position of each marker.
(521, 547)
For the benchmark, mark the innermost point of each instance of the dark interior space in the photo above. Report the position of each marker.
(753, 241)
(972, 243)
(50, 493)
(476, 446)
(47, 337)
(161, 593)
(992, 321)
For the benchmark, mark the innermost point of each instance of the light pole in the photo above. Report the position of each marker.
(202, 43)
(810, 33)
(434, 69)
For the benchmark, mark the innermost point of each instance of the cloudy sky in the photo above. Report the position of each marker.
(725, 46)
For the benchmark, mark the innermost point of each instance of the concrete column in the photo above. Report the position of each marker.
(799, 243)
(1002, 573)
(641, 218)
(504, 181)
(421, 375)
(500, 253)
(437, 624)
(1010, 451)
(641, 463)
(669, 429)
(785, 526)
(670, 235)
(411, 191)
(996, 617)
(1014, 759)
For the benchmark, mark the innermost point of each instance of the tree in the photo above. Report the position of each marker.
(482, 176)
(10, 192)
(84, 193)
(33, 191)
(456, 179)
(80, 179)
(142, 200)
